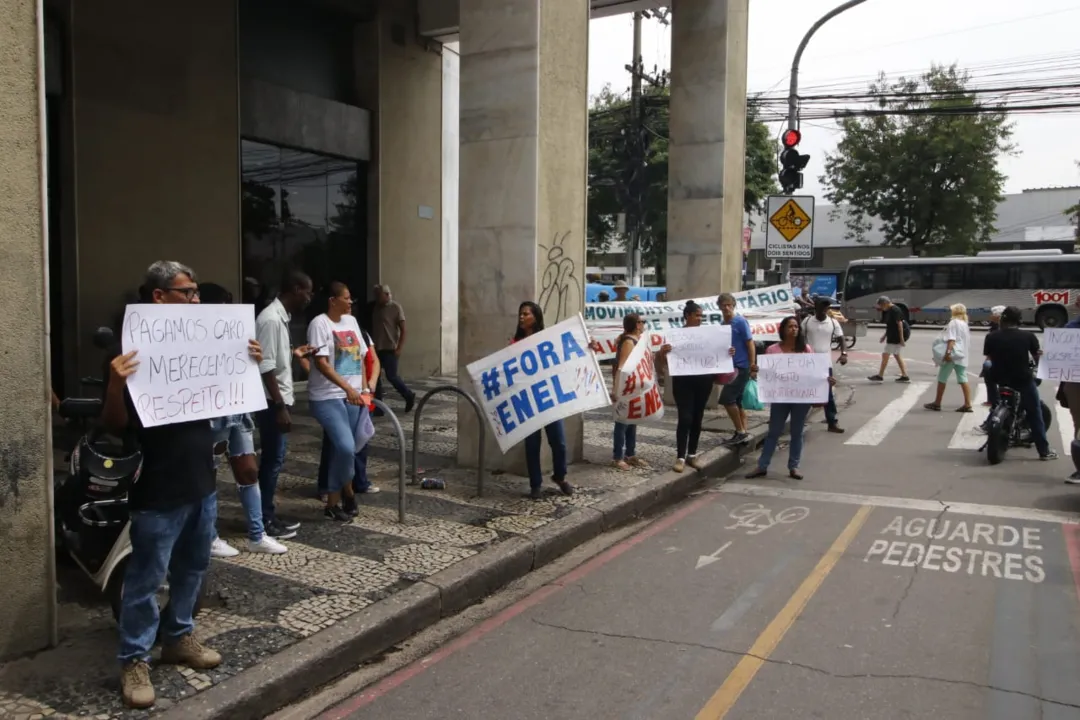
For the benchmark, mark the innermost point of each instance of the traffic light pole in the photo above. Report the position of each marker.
(793, 91)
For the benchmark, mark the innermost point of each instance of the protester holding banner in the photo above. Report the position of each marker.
(691, 396)
(531, 321)
(624, 453)
(744, 357)
(339, 395)
(792, 340)
(173, 514)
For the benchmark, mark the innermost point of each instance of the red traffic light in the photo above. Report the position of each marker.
(791, 138)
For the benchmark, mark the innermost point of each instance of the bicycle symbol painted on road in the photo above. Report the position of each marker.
(756, 518)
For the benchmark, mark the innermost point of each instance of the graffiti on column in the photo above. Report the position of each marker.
(559, 285)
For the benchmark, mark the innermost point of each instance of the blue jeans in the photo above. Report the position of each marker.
(236, 433)
(360, 482)
(339, 420)
(556, 436)
(1029, 401)
(388, 360)
(173, 544)
(274, 445)
(830, 407)
(625, 434)
(778, 415)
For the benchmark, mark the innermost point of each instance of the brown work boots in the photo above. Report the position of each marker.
(135, 683)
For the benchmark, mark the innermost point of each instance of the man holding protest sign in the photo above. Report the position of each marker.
(744, 356)
(173, 505)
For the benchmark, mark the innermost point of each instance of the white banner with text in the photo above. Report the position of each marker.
(536, 381)
(1060, 360)
(638, 398)
(801, 378)
(763, 308)
(700, 350)
(193, 362)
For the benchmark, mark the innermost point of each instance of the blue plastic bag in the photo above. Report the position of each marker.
(750, 400)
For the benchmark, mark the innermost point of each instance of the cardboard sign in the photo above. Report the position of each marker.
(1060, 360)
(638, 398)
(193, 362)
(700, 350)
(536, 381)
(794, 378)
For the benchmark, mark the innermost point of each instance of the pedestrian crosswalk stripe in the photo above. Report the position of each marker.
(1065, 426)
(965, 437)
(873, 432)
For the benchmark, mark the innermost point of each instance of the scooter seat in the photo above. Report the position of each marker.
(80, 408)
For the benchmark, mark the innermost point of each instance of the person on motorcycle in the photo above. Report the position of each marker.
(173, 511)
(1011, 351)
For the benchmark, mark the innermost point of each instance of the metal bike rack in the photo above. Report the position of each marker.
(479, 419)
(401, 464)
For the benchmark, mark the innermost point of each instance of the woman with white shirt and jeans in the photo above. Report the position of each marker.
(339, 393)
(957, 337)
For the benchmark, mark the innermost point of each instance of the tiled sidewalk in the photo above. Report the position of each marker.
(260, 604)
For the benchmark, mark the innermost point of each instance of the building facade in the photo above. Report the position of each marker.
(434, 145)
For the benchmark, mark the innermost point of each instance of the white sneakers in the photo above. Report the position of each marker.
(267, 545)
(222, 549)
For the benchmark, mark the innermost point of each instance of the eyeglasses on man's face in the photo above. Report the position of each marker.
(190, 292)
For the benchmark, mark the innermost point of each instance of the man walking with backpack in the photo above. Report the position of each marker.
(897, 332)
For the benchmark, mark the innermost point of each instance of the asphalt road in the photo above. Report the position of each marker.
(903, 578)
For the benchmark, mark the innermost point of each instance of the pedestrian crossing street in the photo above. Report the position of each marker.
(892, 413)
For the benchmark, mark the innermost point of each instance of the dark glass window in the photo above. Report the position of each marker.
(988, 276)
(861, 281)
(947, 276)
(1067, 273)
(305, 211)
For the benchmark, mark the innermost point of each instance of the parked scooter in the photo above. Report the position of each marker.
(1008, 424)
(91, 517)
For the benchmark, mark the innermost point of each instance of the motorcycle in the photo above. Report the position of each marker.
(91, 517)
(1007, 426)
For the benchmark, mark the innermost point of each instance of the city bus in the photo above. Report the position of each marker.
(1044, 284)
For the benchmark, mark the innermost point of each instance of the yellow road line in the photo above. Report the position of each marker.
(733, 687)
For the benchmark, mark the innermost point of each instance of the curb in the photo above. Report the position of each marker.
(325, 656)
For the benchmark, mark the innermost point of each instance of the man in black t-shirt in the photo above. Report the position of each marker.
(1011, 351)
(893, 317)
(173, 513)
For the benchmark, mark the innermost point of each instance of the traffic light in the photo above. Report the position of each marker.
(792, 162)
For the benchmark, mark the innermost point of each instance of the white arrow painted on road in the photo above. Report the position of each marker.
(704, 560)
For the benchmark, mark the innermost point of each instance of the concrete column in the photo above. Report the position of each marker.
(28, 590)
(707, 150)
(409, 149)
(524, 127)
(451, 171)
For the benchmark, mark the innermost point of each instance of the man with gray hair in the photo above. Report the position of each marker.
(388, 332)
(173, 515)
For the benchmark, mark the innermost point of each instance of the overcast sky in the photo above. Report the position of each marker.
(996, 39)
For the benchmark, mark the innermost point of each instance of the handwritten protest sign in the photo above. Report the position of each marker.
(638, 397)
(193, 362)
(699, 350)
(794, 378)
(1060, 360)
(763, 308)
(538, 380)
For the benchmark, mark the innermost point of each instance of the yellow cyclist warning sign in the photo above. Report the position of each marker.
(790, 220)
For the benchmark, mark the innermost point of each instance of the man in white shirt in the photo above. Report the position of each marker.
(275, 422)
(820, 331)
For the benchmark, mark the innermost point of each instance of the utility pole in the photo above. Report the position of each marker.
(793, 93)
(637, 127)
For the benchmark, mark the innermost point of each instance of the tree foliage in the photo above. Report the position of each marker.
(923, 161)
(628, 170)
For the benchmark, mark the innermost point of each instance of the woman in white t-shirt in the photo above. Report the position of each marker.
(955, 342)
(339, 394)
